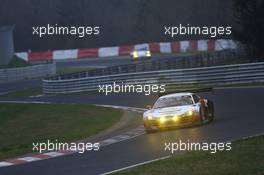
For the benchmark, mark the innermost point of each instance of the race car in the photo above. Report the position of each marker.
(141, 53)
(177, 110)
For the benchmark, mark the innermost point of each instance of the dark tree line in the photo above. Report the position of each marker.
(250, 30)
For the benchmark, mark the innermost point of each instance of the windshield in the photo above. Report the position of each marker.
(173, 101)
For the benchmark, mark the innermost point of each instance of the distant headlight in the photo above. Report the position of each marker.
(148, 54)
(135, 54)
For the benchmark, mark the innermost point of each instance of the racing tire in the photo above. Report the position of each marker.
(150, 130)
(210, 110)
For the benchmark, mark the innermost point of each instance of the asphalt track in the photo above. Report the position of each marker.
(19, 85)
(239, 113)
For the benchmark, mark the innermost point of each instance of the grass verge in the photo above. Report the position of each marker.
(23, 124)
(245, 158)
(16, 62)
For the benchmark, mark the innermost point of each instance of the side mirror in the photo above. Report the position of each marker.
(148, 107)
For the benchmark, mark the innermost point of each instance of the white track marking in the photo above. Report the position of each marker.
(53, 154)
(36, 96)
(2, 164)
(29, 159)
(246, 137)
(3, 93)
(123, 107)
(138, 164)
(143, 163)
(26, 102)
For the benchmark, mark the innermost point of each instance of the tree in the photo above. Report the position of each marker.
(249, 15)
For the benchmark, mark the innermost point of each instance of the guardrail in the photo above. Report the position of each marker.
(178, 62)
(14, 74)
(205, 76)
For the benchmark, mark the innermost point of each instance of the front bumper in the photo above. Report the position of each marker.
(169, 122)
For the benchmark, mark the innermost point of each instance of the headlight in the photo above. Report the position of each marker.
(149, 117)
(190, 113)
(175, 118)
(162, 119)
(148, 54)
(135, 54)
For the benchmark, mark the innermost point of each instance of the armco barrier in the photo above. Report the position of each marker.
(171, 62)
(13, 74)
(205, 76)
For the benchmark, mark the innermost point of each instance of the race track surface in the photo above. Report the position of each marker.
(239, 113)
(19, 85)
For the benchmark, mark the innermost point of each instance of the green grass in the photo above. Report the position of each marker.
(73, 70)
(245, 158)
(16, 62)
(24, 93)
(23, 124)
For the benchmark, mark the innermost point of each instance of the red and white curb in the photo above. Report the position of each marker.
(33, 158)
(37, 157)
(117, 51)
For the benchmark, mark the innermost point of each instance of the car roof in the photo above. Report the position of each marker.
(177, 94)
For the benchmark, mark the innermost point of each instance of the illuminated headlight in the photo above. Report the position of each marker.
(149, 117)
(148, 54)
(135, 54)
(162, 119)
(175, 118)
(190, 113)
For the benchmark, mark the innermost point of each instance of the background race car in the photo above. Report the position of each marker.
(141, 53)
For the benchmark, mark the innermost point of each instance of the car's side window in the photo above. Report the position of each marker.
(195, 98)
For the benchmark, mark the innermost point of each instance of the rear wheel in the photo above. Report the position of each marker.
(210, 112)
